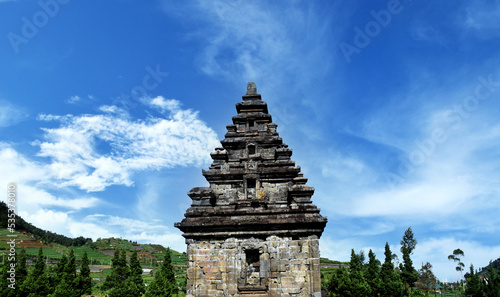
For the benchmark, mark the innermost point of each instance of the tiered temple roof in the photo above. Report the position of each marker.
(255, 188)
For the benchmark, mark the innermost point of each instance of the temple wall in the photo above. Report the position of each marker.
(275, 266)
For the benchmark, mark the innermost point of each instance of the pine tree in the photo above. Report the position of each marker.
(127, 289)
(121, 269)
(373, 274)
(136, 272)
(409, 274)
(39, 264)
(63, 289)
(392, 285)
(340, 283)
(164, 283)
(5, 275)
(492, 287)
(21, 269)
(168, 272)
(60, 267)
(119, 282)
(359, 286)
(473, 287)
(69, 270)
(110, 281)
(84, 280)
(36, 283)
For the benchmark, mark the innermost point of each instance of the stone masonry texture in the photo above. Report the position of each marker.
(254, 231)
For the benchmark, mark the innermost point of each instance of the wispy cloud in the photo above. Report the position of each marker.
(93, 152)
(73, 99)
(482, 18)
(36, 201)
(10, 114)
(280, 47)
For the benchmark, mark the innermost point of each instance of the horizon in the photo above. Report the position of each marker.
(109, 112)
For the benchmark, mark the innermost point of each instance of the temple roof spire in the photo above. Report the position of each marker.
(251, 88)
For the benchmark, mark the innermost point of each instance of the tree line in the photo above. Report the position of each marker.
(60, 281)
(373, 278)
(63, 280)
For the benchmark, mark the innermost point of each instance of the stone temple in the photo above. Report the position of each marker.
(254, 231)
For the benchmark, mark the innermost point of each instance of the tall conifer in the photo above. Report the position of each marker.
(409, 274)
(359, 286)
(164, 283)
(473, 288)
(37, 281)
(392, 285)
(136, 272)
(373, 274)
(5, 275)
(84, 280)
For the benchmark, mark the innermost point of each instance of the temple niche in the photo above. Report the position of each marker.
(254, 231)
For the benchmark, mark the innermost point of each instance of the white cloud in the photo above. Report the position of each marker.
(31, 178)
(170, 105)
(55, 221)
(135, 230)
(93, 152)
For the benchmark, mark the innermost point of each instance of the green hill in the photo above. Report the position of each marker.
(46, 236)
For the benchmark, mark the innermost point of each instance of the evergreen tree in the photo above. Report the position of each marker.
(60, 267)
(5, 275)
(340, 283)
(121, 269)
(373, 274)
(21, 269)
(110, 281)
(392, 285)
(136, 272)
(36, 283)
(164, 283)
(408, 273)
(473, 287)
(492, 287)
(127, 289)
(168, 272)
(63, 289)
(69, 271)
(56, 278)
(120, 281)
(39, 264)
(359, 286)
(84, 280)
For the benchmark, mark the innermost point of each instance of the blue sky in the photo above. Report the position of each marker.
(109, 110)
